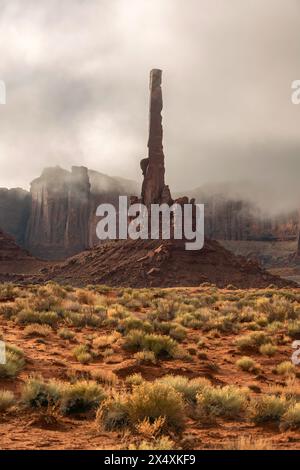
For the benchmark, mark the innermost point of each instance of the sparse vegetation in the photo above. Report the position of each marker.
(119, 338)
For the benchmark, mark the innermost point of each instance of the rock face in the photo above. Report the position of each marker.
(62, 219)
(14, 212)
(154, 190)
(58, 223)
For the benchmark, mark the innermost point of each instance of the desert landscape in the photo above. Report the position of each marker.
(136, 341)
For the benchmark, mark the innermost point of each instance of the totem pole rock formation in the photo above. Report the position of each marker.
(154, 190)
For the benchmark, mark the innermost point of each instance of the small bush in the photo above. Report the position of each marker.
(82, 396)
(28, 316)
(155, 400)
(268, 349)
(14, 362)
(228, 401)
(268, 408)
(7, 399)
(37, 393)
(106, 377)
(285, 368)
(65, 333)
(188, 388)
(247, 364)
(82, 354)
(134, 379)
(160, 345)
(252, 342)
(145, 357)
(291, 419)
(37, 330)
(178, 333)
(294, 329)
(113, 413)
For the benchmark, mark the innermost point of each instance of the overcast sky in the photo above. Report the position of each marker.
(77, 76)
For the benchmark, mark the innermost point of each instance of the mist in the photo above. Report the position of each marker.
(77, 79)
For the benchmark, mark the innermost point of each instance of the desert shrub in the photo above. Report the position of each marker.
(14, 362)
(268, 349)
(294, 329)
(82, 396)
(82, 354)
(291, 418)
(167, 309)
(132, 323)
(160, 443)
(8, 292)
(36, 392)
(113, 413)
(46, 303)
(9, 310)
(275, 326)
(106, 377)
(85, 297)
(268, 408)
(228, 401)
(188, 388)
(134, 379)
(160, 345)
(252, 341)
(37, 330)
(28, 316)
(154, 400)
(277, 309)
(145, 357)
(247, 364)
(178, 333)
(290, 390)
(7, 399)
(65, 333)
(104, 341)
(285, 368)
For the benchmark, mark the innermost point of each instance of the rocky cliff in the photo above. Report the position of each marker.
(14, 212)
(62, 218)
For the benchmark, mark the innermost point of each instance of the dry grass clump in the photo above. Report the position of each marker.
(7, 400)
(36, 392)
(102, 342)
(268, 408)
(65, 333)
(294, 329)
(268, 349)
(291, 418)
(134, 379)
(145, 357)
(286, 369)
(252, 342)
(248, 365)
(8, 292)
(85, 297)
(37, 330)
(28, 316)
(113, 412)
(105, 377)
(14, 362)
(188, 388)
(160, 345)
(228, 401)
(82, 396)
(154, 400)
(82, 354)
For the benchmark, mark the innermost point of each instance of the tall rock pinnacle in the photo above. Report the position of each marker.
(154, 190)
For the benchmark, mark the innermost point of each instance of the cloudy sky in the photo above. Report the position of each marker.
(77, 71)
